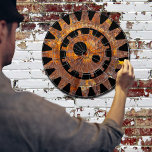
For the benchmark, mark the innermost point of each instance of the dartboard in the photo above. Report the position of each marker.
(82, 53)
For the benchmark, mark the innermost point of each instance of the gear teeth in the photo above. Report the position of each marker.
(57, 26)
(66, 18)
(89, 69)
(91, 14)
(78, 15)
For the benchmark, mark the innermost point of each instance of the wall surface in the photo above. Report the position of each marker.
(135, 18)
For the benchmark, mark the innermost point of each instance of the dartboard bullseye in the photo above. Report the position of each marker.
(82, 53)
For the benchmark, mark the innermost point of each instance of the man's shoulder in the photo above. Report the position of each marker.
(28, 99)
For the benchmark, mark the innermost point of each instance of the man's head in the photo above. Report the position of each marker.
(9, 20)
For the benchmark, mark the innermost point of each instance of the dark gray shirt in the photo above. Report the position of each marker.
(29, 123)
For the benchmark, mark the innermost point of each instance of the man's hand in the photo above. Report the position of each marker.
(125, 77)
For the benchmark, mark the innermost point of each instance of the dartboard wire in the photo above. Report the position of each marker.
(76, 44)
(103, 51)
(104, 63)
(78, 33)
(73, 59)
(97, 76)
(108, 42)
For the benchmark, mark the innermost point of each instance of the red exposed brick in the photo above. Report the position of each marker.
(144, 122)
(23, 1)
(148, 92)
(26, 18)
(145, 83)
(22, 35)
(129, 141)
(31, 8)
(115, 16)
(44, 26)
(148, 142)
(136, 92)
(45, 17)
(119, 150)
(21, 7)
(57, 8)
(133, 44)
(141, 112)
(28, 26)
(78, 0)
(135, 84)
(139, 92)
(41, 1)
(128, 122)
(143, 44)
(146, 149)
(92, 7)
(138, 131)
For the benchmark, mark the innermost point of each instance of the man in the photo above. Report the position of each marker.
(28, 123)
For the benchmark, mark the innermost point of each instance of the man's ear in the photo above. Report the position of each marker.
(3, 30)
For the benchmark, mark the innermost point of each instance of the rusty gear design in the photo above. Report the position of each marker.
(82, 53)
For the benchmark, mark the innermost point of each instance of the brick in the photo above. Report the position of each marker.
(44, 17)
(135, 84)
(138, 131)
(140, 44)
(141, 63)
(129, 140)
(141, 54)
(139, 113)
(93, 7)
(142, 73)
(25, 74)
(144, 122)
(27, 65)
(142, 35)
(115, 16)
(62, 101)
(148, 92)
(144, 103)
(42, 1)
(128, 7)
(146, 141)
(145, 83)
(18, 1)
(27, 8)
(136, 92)
(91, 103)
(27, 56)
(28, 26)
(33, 84)
(57, 7)
(44, 26)
(95, 120)
(24, 36)
(85, 112)
(136, 25)
(146, 149)
(136, 16)
(26, 17)
(128, 122)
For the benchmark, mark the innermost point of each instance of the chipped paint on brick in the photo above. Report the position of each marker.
(22, 45)
(136, 18)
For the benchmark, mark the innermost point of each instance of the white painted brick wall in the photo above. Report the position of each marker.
(27, 74)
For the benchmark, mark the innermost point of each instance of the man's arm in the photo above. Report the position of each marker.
(125, 79)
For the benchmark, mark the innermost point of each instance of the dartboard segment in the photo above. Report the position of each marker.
(82, 53)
